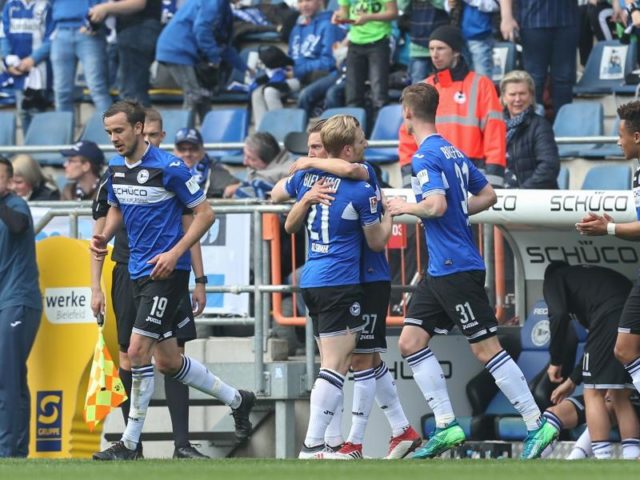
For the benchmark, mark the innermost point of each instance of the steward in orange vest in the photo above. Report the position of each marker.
(469, 114)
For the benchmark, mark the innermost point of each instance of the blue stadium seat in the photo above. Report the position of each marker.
(50, 128)
(604, 150)
(282, 121)
(94, 130)
(598, 79)
(359, 113)
(504, 60)
(608, 177)
(563, 178)
(584, 119)
(226, 125)
(173, 120)
(386, 128)
(7, 128)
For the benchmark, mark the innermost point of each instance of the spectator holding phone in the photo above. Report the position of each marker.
(369, 52)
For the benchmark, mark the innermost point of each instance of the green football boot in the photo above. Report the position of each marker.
(443, 439)
(538, 440)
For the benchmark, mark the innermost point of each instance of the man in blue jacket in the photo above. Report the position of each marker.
(200, 31)
(75, 39)
(314, 68)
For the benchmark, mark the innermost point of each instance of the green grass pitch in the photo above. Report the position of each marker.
(253, 469)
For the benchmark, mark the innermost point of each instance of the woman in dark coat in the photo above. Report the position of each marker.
(532, 153)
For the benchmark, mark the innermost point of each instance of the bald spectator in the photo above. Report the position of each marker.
(82, 166)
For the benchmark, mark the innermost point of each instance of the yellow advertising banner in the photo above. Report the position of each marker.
(60, 361)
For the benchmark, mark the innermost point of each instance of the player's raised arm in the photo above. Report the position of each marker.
(319, 193)
(334, 166)
(279, 192)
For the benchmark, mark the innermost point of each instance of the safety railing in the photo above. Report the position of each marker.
(11, 149)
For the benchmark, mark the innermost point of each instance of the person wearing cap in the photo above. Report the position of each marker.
(266, 163)
(469, 114)
(212, 177)
(313, 67)
(82, 165)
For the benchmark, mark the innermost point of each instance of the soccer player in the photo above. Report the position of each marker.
(452, 292)
(371, 375)
(149, 190)
(627, 349)
(595, 296)
(331, 276)
(177, 393)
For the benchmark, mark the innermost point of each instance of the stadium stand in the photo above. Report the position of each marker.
(599, 80)
(608, 177)
(7, 128)
(282, 121)
(563, 178)
(173, 120)
(50, 128)
(385, 128)
(584, 119)
(94, 130)
(360, 114)
(605, 150)
(226, 125)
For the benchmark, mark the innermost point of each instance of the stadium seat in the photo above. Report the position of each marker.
(282, 121)
(7, 128)
(296, 143)
(173, 120)
(385, 128)
(606, 68)
(50, 128)
(504, 60)
(584, 119)
(604, 150)
(359, 113)
(94, 130)
(226, 125)
(608, 177)
(563, 178)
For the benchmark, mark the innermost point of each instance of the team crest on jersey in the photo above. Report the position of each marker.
(459, 97)
(373, 204)
(143, 176)
(355, 309)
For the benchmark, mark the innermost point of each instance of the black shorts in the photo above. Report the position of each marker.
(630, 318)
(334, 310)
(578, 405)
(125, 309)
(440, 303)
(160, 305)
(600, 368)
(375, 304)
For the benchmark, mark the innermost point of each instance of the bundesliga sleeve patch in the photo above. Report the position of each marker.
(373, 204)
(423, 177)
(192, 185)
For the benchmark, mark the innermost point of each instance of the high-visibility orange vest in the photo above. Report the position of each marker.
(469, 116)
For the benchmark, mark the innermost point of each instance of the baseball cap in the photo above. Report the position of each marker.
(87, 149)
(188, 135)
